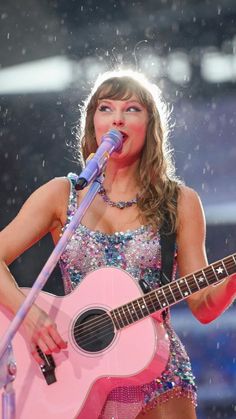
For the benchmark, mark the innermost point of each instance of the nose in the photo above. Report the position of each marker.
(118, 121)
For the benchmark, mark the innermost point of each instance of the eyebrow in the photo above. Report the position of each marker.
(115, 100)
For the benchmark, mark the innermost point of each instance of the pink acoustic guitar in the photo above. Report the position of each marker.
(113, 339)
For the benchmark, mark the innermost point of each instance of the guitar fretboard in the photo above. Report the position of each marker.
(173, 292)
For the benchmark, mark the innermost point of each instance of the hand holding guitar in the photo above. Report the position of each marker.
(42, 333)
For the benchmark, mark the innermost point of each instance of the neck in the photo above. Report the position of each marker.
(121, 178)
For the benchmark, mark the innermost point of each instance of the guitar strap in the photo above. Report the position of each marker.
(167, 259)
(167, 256)
(168, 246)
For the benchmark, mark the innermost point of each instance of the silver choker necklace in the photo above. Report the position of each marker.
(119, 204)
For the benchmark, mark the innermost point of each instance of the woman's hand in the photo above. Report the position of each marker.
(42, 333)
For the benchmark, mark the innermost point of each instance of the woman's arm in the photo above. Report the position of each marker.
(44, 211)
(209, 303)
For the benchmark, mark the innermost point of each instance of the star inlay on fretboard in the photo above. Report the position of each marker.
(173, 292)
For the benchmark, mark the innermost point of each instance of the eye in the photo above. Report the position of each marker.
(133, 109)
(104, 108)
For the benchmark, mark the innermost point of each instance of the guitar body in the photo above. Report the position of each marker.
(89, 368)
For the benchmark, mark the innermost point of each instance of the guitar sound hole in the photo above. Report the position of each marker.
(93, 330)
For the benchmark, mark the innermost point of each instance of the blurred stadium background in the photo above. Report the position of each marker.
(51, 52)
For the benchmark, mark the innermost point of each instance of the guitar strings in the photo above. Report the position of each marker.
(102, 332)
(101, 322)
(95, 322)
(89, 340)
(123, 315)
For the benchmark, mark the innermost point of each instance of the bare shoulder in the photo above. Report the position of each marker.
(191, 232)
(52, 196)
(59, 188)
(188, 195)
(189, 204)
(56, 187)
(43, 212)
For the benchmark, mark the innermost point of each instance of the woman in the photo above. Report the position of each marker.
(142, 176)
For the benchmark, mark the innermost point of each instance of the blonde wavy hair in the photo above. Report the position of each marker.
(159, 185)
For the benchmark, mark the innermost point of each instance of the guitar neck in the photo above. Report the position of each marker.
(172, 293)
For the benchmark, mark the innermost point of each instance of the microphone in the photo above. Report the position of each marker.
(111, 141)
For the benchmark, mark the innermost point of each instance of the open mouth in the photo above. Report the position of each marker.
(124, 135)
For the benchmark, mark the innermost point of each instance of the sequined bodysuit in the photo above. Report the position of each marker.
(139, 253)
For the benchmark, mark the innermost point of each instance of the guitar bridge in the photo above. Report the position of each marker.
(48, 368)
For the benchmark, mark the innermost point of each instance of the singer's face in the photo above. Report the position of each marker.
(129, 117)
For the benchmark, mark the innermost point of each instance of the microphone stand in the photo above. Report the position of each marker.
(7, 362)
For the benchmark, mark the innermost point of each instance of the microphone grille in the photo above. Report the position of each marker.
(115, 136)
